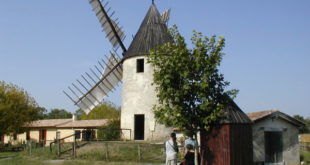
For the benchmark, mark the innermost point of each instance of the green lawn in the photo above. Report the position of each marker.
(306, 156)
(6, 155)
(95, 154)
(21, 159)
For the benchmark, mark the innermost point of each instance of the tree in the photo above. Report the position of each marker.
(17, 107)
(103, 111)
(111, 131)
(58, 114)
(79, 113)
(306, 128)
(189, 87)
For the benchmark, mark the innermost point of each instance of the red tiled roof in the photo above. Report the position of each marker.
(84, 123)
(66, 123)
(47, 123)
(258, 115)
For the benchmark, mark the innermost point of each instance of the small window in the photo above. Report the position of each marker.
(15, 137)
(140, 65)
(28, 135)
(77, 134)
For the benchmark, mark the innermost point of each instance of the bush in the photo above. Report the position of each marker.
(111, 131)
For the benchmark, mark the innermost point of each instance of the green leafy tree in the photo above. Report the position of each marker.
(17, 107)
(306, 128)
(111, 131)
(189, 87)
(103, 111)
(79, 113)
(58, 114)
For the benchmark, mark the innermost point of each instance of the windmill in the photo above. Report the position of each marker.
(138, 95)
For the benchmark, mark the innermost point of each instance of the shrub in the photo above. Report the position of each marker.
(111, 131)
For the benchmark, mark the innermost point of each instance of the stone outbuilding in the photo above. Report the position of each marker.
(275, 138)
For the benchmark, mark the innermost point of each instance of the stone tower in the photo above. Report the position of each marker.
(138, 94)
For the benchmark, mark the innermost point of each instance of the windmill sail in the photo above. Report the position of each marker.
(113, 32)
(165, 16)
(98, 90)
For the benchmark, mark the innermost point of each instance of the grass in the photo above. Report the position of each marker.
(129, 152)
(306, 156)
(22, 160)
(95, 153)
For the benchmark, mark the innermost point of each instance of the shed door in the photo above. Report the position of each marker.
(139, 127)
(273, 147)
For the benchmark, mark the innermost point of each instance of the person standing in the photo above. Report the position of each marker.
(171, 150)
(189, 158)
(190, 141)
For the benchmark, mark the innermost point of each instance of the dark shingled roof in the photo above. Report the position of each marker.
(153, 32)
(233, 114)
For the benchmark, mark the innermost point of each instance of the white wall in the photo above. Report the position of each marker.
(21, 138)
(289, 136)
(138, 97)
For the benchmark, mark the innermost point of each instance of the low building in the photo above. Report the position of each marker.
(229, 141)
(45, 131)
(304, 138)
(275, 138)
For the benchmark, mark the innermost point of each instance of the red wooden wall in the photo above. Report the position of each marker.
(229, 144)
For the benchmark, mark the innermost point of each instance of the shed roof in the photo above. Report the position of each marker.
(262, 115)
(233, 114)
(153, 32)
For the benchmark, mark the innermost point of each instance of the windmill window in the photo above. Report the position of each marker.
(140, 65)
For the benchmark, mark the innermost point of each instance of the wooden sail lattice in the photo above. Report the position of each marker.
(109, 25)
(92, 88)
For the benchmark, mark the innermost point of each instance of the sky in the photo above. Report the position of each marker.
(47, 45)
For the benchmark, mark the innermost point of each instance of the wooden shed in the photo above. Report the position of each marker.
(228, 142)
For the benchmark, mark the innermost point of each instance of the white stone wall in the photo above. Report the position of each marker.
(138, 97)
(289, 137)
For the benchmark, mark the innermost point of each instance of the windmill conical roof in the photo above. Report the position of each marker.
(153, 32)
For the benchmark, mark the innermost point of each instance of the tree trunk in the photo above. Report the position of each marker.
(196, 149)
(203, 147)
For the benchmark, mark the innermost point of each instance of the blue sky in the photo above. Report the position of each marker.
(47, 45)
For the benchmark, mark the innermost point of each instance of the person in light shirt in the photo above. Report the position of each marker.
(171, 150)
(190, 141)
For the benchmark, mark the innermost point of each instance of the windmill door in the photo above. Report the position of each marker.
(139, 127)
